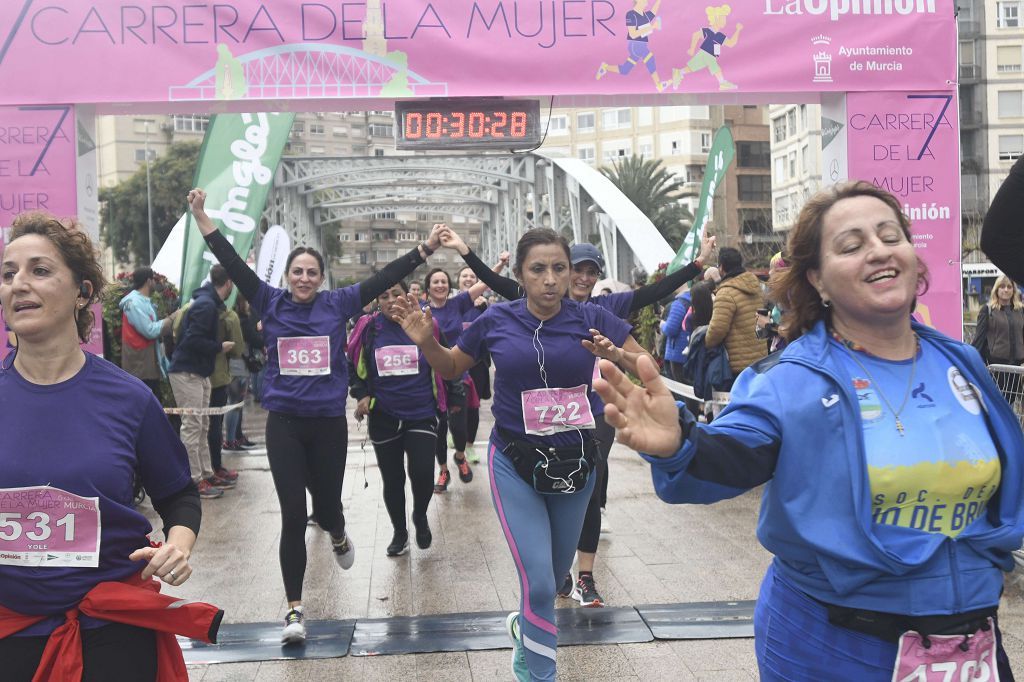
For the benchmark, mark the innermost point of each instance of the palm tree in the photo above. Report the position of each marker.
(652, 188)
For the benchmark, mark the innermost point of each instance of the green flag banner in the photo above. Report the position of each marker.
(237, 163)
(719, 158)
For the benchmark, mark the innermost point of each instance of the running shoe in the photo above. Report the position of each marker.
(423, 535)
(230, 446)
(399, 543)
(443, 479)
(222, 483)
(471, 454)
(208, 491)
(226, 474)
(585, 592)
(465, 473)
(294, 631)
(245, 443)
(519, 670)
(566, 589)
(344, 552)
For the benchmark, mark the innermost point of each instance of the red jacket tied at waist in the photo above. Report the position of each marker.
(134, 602)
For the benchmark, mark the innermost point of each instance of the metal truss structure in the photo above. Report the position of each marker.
(507, 193)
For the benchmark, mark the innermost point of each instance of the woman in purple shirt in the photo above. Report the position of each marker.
(449, 313)
(542, 448)
(304, 391)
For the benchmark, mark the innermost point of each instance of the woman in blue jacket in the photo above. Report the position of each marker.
(892, 461)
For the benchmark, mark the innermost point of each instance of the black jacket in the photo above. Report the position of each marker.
(198, 345)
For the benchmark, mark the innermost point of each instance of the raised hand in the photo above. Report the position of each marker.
(602, 346)
(504, 257)
(646, 416)
(197, 203)
(451, 240)
(433, 239)
(707, 246)
(415, 321)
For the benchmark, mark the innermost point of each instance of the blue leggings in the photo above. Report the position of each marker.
(542, 532)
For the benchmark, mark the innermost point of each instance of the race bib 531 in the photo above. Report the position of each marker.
(44, 526)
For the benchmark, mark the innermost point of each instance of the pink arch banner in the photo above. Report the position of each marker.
(124, 52)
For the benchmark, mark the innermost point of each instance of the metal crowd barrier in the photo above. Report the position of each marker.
(1010, 380)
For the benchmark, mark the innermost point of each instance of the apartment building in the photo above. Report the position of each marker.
(681, 137)
(795, 160)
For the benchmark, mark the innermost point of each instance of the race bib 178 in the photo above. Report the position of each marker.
(45, 526)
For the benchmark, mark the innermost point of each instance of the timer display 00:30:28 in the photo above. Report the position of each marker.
(465, 125)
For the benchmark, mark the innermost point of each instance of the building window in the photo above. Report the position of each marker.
(791, 121)
(755, 188)
(782, 210)
(792, 164)
(705, 142)
(805, 154)
(381, 130)
(646, 150)
(1010, 103)
(751, 154)
(190, 124)
(316, 129)
(345, 237)
(611, 155)
(616, 118)
(1008, 14)
(755, 221)
(675, 146)
(780, 169)
(298, 128)
(803, 117)
(316, 150)
(1008, 59)
(384, 215)
(584, 122)
(386, 255)
(1010, 147)
(585, 154)
(558, 124)
(779, 128)
(378, 152)
(140, 155)
(142, 125)
(339, 131)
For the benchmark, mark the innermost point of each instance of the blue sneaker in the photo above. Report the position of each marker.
(519, 670)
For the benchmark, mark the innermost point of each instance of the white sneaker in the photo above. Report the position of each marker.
(294, 631)
(344, 551)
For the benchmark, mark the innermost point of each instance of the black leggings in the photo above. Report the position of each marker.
(456, 422)
(591, 532)
(215, 436)
(472, 423)
(306, 452)
(392, 440)
(112, 652)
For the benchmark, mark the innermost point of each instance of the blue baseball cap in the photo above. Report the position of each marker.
(580, 253)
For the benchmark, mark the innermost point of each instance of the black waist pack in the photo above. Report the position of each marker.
(889, 626)
(551, 471)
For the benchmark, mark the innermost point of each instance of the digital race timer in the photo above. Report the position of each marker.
(467, 124)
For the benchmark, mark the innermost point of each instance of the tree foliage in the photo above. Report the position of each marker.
(653, 189)
(123, 214)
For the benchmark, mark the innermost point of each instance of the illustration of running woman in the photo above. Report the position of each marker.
(711, 41)
(640, 24)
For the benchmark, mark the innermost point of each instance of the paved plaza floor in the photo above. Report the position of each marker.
(655, 553)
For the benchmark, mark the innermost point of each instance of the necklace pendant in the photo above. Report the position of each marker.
(899, 426)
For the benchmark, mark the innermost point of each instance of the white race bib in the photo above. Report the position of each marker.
(395, 361)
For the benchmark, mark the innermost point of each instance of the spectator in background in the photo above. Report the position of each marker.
(676, 338)
(228, 329)
(713, 276)
(734, 317)
(416, 289)
(999, 336)
(242, 371)
(769, 318)
(141, 355)
(191, 366)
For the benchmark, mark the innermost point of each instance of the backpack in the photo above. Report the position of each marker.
(708, 368)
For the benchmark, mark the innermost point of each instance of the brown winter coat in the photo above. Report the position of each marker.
(733, 319)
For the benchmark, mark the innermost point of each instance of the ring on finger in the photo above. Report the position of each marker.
(171, 573)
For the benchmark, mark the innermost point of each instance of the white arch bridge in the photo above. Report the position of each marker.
(507, 193)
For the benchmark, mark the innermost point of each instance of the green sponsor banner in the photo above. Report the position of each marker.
(721, 155)
(236, 166)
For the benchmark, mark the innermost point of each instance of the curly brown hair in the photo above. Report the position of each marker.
(78, 253)
(799, 299)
